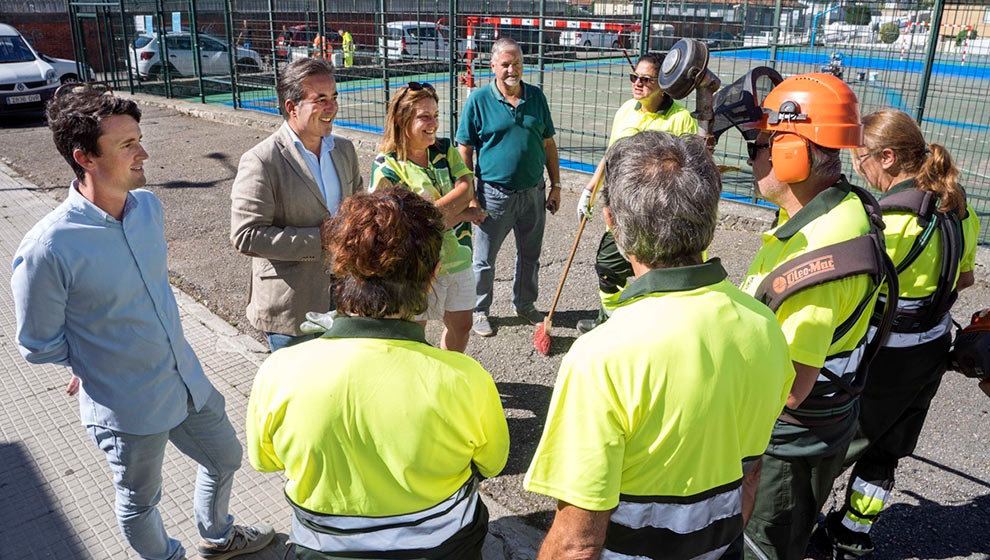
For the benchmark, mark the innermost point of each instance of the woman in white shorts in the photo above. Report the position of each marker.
(411, 155)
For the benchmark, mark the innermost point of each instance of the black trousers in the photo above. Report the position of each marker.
(899, 390)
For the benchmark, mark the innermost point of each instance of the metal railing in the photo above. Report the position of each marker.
(930, 59)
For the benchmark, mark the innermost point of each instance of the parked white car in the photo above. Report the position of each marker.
(416, 39)
(590, 39)
(66, 69)
(146, 60)
(26, 81)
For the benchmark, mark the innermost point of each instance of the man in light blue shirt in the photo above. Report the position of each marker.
(286, 188)
(91, 292)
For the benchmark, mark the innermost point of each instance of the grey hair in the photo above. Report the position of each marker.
(289, 86)
(503, 44)
(662, 191)
(825, 162)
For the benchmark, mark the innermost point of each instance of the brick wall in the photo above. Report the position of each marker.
(47, 33)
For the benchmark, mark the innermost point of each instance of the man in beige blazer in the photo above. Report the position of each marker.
(285, 188)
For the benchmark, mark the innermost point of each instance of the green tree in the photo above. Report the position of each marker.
(961, 36)
(858, 15)
(889, 32)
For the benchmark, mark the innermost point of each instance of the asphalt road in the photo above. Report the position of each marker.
(940, 506)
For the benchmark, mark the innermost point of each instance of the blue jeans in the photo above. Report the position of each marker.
(524, 214)
(277, 341)
(136, 463)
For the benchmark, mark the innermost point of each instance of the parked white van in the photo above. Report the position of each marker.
(26, 81)
(416, 39)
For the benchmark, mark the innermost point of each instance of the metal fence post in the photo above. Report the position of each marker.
(540, 38)
(926, 74)
(197, 54)
(776, 34)
(452, 44)
(644, 27)
(271, 38)
(383, 40)
(127, 47)
(228, 30)
(165, 72)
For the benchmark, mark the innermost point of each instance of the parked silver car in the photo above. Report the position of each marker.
(214, 59)
(66, 69)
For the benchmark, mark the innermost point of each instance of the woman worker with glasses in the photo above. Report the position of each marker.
(411, 155)
(649, 109)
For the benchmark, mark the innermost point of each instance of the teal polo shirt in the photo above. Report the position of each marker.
(509, 140)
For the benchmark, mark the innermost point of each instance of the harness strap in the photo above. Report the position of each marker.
(924, 205)
(865, 254)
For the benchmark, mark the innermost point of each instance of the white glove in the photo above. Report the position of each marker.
(584, 205)
(318, 323)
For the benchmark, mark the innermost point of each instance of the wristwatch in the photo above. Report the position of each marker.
(554, 185)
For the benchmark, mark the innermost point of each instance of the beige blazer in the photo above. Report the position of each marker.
(275, 215)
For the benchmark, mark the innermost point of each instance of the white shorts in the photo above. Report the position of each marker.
(450, 292)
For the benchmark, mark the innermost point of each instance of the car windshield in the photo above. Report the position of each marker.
(141, 41)
(14, 49)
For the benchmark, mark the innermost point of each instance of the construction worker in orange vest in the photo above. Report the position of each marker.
(322, 47)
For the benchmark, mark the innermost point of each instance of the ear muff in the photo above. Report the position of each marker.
(790, 158)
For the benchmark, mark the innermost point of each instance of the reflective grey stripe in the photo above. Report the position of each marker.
(609, 555)
(424, 529)
(679, 518)
(907, 340)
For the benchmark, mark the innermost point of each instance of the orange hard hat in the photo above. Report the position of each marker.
(818, 107)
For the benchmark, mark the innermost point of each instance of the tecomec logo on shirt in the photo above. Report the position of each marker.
(803, 272)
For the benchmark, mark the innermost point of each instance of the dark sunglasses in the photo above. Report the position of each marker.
(415, 86)
(635, 78)
(752, 148)
(76, 87)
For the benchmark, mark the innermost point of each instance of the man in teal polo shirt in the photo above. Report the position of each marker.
(508, 122)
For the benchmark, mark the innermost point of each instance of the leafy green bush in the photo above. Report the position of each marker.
(889, 32)
(961, 36)
(858, 15)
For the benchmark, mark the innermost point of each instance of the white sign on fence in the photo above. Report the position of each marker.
(176, 22)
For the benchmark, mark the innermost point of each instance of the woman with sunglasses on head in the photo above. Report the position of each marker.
(411, 155)
(649, 109)
(931, 235)
(378, 432)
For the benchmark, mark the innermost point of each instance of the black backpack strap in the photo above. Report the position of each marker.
(814, 268)
(924, 205)
(952, 249)
(865, 254)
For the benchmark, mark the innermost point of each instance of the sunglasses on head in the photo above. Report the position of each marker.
(416, 86)
(636, 78)
(76, 87)
(753, 148)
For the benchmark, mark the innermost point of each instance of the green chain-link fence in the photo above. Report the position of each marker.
(929, 58)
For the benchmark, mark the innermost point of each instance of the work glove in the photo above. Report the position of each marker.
(317, 323)
(584, 205)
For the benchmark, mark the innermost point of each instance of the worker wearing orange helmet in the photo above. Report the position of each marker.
(820, 270)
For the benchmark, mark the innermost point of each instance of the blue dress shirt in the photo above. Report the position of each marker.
(322, 168)
(92, 293)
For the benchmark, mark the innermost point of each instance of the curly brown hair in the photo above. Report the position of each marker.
(75, 121)
(384, 249)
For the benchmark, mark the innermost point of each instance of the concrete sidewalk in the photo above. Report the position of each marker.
(56, 494)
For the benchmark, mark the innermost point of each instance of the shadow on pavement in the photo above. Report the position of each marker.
(960, 530)
(26, 120)
(527, 426)
(31, 522)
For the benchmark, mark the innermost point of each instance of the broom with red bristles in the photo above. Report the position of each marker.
(541, 336)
